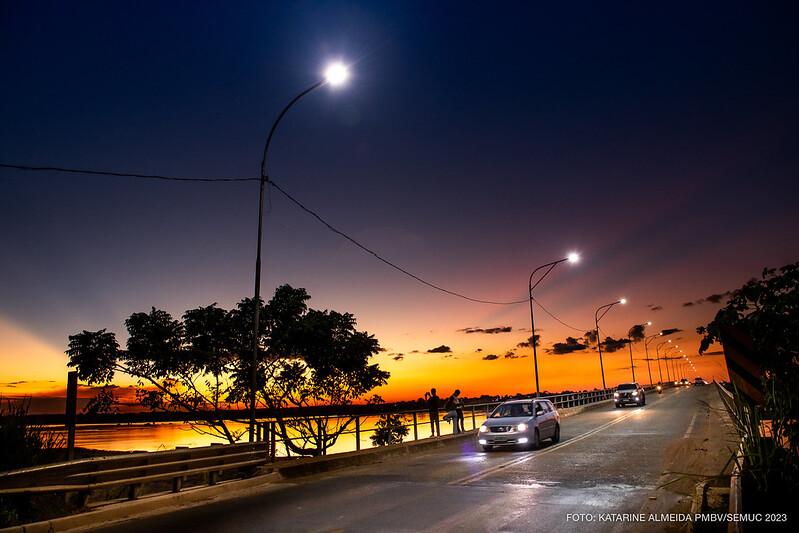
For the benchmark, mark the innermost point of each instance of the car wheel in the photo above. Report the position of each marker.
(487, 448)
(618, 405)
(536, 440)
(556, 436)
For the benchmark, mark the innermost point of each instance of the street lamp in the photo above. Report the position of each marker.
(657, 354)
(630, 346)
(646, 350)
(335, 75)
(571, 258)
(597, 318)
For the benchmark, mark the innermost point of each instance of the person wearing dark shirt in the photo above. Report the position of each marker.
(432, 411)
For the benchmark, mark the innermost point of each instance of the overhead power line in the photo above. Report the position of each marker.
(40, 168)
(119, 174)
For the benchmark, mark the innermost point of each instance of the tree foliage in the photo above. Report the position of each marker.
(202, 363)
(767, 310)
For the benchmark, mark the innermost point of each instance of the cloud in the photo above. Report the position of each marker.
(490, 357)
(526, 344)
(489, 331)
(512, 355)
(381, 349)
(716, 298)
(670, 331)
(653, 307)
(440, 349)
(590, 336)
(414, 351)
(688, 304)
(398, 357)
(613, 345)
(570, 345)
(479, 350)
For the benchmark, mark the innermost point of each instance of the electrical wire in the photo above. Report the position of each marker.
(40, 168)
(119, 174)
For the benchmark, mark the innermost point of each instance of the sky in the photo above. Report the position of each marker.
(473, 143)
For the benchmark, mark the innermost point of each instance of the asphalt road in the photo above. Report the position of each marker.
(632, 460)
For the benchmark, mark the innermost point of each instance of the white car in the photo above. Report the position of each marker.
(520, 423)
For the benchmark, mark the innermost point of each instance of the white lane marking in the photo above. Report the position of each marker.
(690, 426)
(512, 462)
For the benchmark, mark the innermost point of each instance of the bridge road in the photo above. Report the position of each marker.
(608, 461)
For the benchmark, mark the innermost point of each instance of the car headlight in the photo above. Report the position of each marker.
(635, 393)
(483, 429)
(615, 394)
(522, 427)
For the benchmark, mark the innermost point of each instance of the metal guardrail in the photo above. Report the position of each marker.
(132, 471)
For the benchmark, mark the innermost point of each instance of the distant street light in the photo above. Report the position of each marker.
(571, 258)
(335, 75)
(646, 349)
(597, 318)
(630, 346)
(657, 353)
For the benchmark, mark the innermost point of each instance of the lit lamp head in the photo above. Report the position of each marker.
(337, 74)
(649, 323)
(623, 301)
(573, 258)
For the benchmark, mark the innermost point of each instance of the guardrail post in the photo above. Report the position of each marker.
(357, 433)
(133, 491)
(177, 484)
(474, 419)
(272, 441)
(415, 428)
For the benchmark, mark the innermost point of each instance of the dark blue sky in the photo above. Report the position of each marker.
(473, 142)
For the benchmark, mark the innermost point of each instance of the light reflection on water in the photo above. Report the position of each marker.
(169, 435)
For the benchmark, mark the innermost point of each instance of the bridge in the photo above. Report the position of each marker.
(613, 469)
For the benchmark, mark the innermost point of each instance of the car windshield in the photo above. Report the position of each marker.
(627, 386)
(508, 410)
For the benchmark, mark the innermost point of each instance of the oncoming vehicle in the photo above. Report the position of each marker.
(699, 381)
(685, 382)
(629, 394)
(520, 423)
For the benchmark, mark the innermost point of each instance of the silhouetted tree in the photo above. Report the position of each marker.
(202, 364)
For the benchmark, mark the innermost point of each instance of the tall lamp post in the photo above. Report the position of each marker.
(335, 75)
(646, 349)
(572, 258)
(597, 318)
(630, 346)
(657, 354)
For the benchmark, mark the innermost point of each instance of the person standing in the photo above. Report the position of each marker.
(432, 411)
(454, 407)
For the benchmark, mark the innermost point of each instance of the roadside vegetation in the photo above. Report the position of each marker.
(764, 313)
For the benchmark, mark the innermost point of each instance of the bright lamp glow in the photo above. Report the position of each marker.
(649, 323)
(522, 427)
(623, 301)
(574, 257)
(337, 74)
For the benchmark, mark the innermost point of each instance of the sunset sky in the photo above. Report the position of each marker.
(473, 143)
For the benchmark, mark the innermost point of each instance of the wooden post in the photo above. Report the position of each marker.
(71, 412)
(415, 428)
(320, 447)
(474, 419)
(357, 433)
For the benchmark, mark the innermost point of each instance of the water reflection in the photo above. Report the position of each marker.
(169, 435)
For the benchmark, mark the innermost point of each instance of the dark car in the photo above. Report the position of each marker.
(629, 394)
(699, 381)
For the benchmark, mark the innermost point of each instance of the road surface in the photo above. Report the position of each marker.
(631, 460)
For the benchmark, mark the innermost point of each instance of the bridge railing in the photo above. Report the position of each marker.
(174, 467)
(416, 420)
